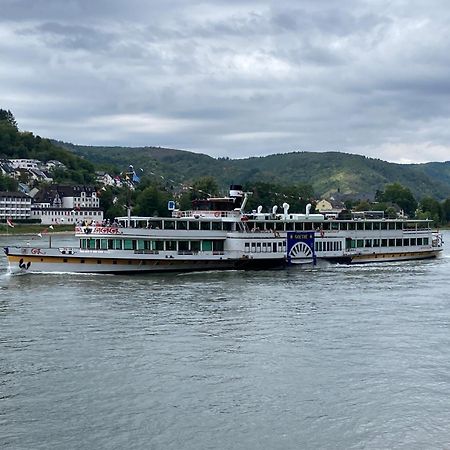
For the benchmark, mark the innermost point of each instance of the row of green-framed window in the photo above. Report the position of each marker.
(152, 245)
(335, 226)
(408, 242)
(184, 225)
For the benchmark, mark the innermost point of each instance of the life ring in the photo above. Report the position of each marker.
(276, 234)
(217, 214)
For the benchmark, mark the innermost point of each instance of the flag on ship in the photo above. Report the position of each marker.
(9, 222)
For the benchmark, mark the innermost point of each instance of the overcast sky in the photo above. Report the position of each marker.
(234, 77)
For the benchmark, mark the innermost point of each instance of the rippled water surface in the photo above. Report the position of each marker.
(342, 357)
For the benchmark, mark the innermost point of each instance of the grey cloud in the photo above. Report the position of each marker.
(231, 78)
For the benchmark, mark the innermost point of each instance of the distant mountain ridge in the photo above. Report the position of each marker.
(329, 173)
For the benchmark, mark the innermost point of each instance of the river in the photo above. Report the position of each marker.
(341, 357)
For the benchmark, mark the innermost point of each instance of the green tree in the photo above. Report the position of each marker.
(446, 210)
(432, 208)
(8, 117)
(204, 187)
(399, 195)
(152, 201)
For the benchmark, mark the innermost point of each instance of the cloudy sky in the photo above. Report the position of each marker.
(234, 77)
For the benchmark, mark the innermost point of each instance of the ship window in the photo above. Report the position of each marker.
(254, 247)
(391, 242)
(227, 226)
(326, 226)
(289, 226)
(83, 243)
(298, 226)
(360, 243)
(280, 246)
(398, 242)
(258, 247)
(104, 244)
(82, 261)
(182, 225)
(140, 244)
(171, 245)
(169, 225)
(65, 260)
(117, 244)
(413, 241)
(334, 225)
(352, 226)
(406, 242)
(216, 226)
(99, 261)
(183, 246)
(368, 226)
(384, 242)
(264, 247)
(114, 261)
(270, 226)
(206, 246)
(194, 225)
(110, 244)
(247, 247)
(419, 241)
(195, 246)
(425, 241)
(127, 244)
(218, 246)
(383, 225)
(398, 225)
(205, 226)
(376, 242)
(159, 245)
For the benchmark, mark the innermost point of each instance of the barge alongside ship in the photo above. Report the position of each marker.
(218, 234)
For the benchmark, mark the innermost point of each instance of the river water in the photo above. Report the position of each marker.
(342, 357)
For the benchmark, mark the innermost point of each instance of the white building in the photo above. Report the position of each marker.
(65, 216)
(67, 205)
(16, 205)
(25, 163)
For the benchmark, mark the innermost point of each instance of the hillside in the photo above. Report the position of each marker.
(330, 172)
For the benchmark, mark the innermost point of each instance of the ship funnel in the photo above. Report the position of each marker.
(285, 207)
(236, 191)
(259, 209)
(308, 209)
(274, 209)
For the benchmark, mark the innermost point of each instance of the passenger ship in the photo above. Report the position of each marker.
(218, 234)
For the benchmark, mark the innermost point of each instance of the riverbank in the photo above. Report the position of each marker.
(33, 229)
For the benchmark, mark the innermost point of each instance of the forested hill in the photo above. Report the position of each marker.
(328, 173)
(17, 144)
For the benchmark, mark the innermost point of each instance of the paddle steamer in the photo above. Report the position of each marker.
(218, 234)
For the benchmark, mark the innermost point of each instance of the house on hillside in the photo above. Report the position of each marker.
(105, 179)
(24, 163)
(330, 208)
(6, 168)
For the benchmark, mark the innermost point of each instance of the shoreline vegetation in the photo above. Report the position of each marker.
(32, 229)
